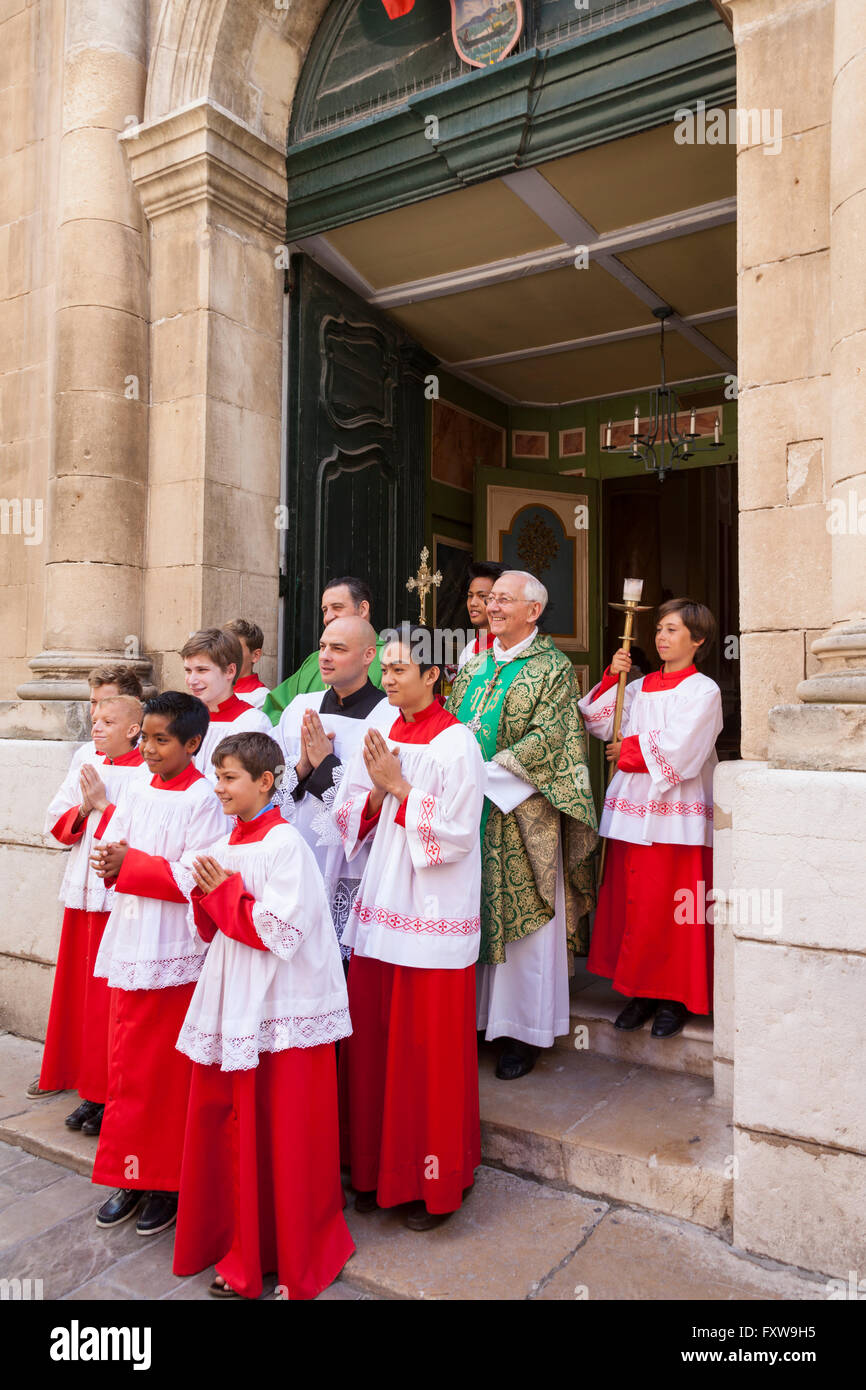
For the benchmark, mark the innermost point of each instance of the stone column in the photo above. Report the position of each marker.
(98, 472)
(214, 193)
(829, 729)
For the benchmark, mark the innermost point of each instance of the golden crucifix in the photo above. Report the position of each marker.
(424, 581)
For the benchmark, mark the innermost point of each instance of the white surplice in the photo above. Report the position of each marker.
(81, 887)
(312, 817)
(677, 731)
(147, 943)
(419, 899)
(293, 994)
(235, 716)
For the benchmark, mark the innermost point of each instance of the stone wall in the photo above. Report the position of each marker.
(785, 65)
(31, 84)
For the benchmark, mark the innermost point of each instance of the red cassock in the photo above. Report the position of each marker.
(642, 938)
(141, 1140)
(637, 942)
(409, 1110)
(260, 1188)
(76, 1041)
(410, 1124)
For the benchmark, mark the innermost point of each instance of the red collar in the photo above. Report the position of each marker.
(483, 642)
(228, 711)
(131, 759)
(250, 682)
(424, 726)
(658, 680)
(179, 783)
(247, 831)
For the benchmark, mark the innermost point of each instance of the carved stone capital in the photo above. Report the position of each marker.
(202, 153)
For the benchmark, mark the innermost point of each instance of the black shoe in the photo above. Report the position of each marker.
(120, 1206)
(418, 1218)
(515, 1059)
(365, 1202)
(636, 1013)
(93, 1123)
(158, 1213)
(86, 1110)
(670, 1018)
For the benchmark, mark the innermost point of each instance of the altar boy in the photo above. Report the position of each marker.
(76, 1042)
(212, 661)
(409, 1073)
(260, 1188)
(151, 960)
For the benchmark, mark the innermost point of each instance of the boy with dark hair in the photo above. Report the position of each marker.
(212, 662)
(658, 817)
(260, 1188)
(409, 1073)
(151, 961)
(76, 1041)
(248, 686)
(483, 574)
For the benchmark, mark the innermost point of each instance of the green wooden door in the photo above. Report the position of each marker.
(355, 439)
(549, 525)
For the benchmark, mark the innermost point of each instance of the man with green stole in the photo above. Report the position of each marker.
(538, 829)
(345, 597)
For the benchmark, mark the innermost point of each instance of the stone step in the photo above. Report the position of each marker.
(594, 1006)
(579, 1121)
(614, 1129)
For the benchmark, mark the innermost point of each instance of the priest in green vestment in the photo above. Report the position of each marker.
(539, 827)
(345, 597)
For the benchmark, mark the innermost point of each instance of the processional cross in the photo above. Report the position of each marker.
(424, 581)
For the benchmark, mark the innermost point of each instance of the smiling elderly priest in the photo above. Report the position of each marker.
(538, 828)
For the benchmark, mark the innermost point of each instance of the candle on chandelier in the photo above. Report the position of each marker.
(608, 435)
(692, 422)
(632, 590)
(636, 427)
(716, 439)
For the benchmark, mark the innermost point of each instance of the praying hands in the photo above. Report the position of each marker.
(107, 860)
(384, 770)
(208, 874)
(316, 745)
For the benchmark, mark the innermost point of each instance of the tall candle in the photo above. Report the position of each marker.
(692, 423)
(716, 431)
(632, 590)
(608, 435)
(636, 428)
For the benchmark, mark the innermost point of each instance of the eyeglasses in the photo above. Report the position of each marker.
(505, 599)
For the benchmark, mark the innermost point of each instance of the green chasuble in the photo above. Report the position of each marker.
(532, 726)
(307, 678)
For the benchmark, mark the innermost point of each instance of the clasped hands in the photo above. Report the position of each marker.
(108, 859)
(384, 770)
(315, 744)
(93, 793)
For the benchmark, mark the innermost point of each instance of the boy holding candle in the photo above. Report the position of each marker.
(658, 818)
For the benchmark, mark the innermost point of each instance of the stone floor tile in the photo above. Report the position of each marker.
(505, 1239)
(633, 1255)
(34, 1213)
(21, 1062)
(100, 1290)
(65, 1254)
(656, 1141)
(31, 1174)
(146, 1273)
(41, 1131)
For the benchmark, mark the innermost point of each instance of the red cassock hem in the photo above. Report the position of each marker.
(637, 941)
(260, 1187)
(409, 1113)
(76, 1041)
(141, 1140)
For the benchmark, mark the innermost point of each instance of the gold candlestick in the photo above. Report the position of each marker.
(631, 605)
(424, 581)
